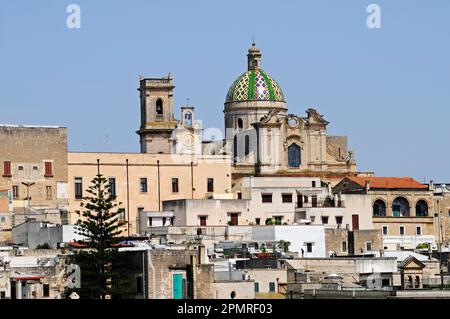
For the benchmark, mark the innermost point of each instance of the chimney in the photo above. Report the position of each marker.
(202, 255)
(367, 187)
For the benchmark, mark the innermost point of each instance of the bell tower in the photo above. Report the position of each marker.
(157, 118)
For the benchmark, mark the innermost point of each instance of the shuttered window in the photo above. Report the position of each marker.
(48, 169)
(7, 168)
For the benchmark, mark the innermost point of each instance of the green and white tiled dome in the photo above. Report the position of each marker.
(255, 85)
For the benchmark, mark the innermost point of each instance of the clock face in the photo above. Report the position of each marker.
(292, 122)
(188, 140)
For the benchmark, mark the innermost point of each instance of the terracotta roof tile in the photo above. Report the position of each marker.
(389, 182)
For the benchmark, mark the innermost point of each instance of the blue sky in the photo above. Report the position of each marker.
(387, 89)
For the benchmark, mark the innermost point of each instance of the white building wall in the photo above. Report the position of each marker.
(300, 235)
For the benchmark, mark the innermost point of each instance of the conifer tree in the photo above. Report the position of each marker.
(101, 263)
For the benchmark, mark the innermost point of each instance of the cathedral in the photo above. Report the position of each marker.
(261, 136)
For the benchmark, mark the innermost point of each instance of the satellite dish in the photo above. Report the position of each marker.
(74, 295)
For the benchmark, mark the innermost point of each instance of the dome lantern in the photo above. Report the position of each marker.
(254, 57)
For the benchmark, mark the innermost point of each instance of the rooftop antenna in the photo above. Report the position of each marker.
(187, 101)
(253, 39)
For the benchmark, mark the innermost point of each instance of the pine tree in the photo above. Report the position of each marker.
(101, 263)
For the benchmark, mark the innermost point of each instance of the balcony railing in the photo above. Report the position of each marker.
(320, 204)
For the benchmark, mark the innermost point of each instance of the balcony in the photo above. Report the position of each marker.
(299, 206)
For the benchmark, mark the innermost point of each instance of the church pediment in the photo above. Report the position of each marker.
(411, 263)
(315, 117)
(272, 118)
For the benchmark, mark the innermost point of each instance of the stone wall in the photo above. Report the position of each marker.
(162, 265)
(363, 236)
(335, 239)
(28, 148)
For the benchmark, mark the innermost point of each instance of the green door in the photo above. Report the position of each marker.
(177, 284)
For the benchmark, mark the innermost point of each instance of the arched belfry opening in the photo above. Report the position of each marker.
(159, 107)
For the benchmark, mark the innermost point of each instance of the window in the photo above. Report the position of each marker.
(410, 282)
(175, 185)
(379, 208)
(299, 200)
(139, 285)
(385, 230)
(314, 200)
(2, 220)
(35, 168)
(15, 191)
(188, 119)
(48, 190)
(7, 168)
(150, 222)
(240, 124)
(159, 108)
(294, 155)
(286, 198)
(313, 184)
(324, 220)
(344, 246)
(143, 184)
(234, 219)
(2, 294)
(421, 208)
(78, 188)
(48, 169)
(46, 290)
(256, 286)
(258, 221)
(402, 230)
(20, 168)
(271, 287)
(239, 196)
(247, 145)
(369, 246)
(112, 186)
(121, 214)
(210, 185)
(266, 198)
(418, 230)
(400, 207)
(339, 220)
(203, 220)
(417, 282)
(309, 247)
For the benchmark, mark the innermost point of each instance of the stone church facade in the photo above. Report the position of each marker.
(260, 134)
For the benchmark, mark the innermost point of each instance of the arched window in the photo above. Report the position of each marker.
(240, 124)
(421, 208)
(188, 119)
(379, 208)
(247, 145)
(294, 156)
(159, 107)
(400, 207)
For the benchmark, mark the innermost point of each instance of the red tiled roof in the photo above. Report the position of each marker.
(389, 182)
